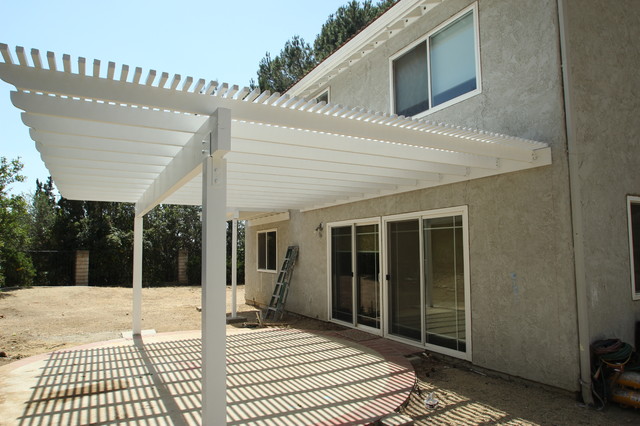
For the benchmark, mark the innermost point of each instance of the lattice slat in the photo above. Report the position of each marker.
(175, 81)
(232, 91)
(111, 70)
(262, 97)
(51, 60)
(124, 73)
(251, 96)
(66, 63)
(6, 54)
(82, 66)
(199, 85)
(22, 57)
(137, 74)
(35, 57)
(187, 84)
(271, 99)
(163, 79)
(150, 78)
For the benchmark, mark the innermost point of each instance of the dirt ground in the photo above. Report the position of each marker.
(43, 319)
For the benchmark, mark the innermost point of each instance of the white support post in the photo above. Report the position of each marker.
(137, 275)
(234, 266)
(214, 220)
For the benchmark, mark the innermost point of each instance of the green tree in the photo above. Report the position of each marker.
(108, 234)
(297, 58)
(241, 233)
(16, 267)
(167, 229)
(42, 212)
(103, 228)
(278, 73)
(70, 223)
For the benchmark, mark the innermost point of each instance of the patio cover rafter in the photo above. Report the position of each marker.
(117, 136)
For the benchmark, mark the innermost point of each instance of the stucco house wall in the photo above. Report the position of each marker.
(523, 298)
(604, 60)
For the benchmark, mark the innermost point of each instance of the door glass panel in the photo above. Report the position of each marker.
(367, 283)
(444, 282)
(404, 279)
(341, 274)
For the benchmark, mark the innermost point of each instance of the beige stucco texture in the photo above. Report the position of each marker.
(605, 59)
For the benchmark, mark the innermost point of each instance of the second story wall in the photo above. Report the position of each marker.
(521, 90)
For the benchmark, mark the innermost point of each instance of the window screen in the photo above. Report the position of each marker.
(410, 82)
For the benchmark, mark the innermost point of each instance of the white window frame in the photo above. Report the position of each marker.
(632, 200)
(353, 224)
(322, 92)
(478, 89)
(422, 215)
(266, 231)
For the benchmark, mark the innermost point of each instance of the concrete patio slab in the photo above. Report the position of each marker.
(274, 376)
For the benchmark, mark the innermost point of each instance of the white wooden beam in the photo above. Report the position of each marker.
(104, 130)
(325, 166)
(102, 144)
(263, 220)
(347, 178)
(100, 156)
(188, 162)
(214, 218)
(137, 275)
(234, 266)
(106, 113)
(300, 180)
(70, 163)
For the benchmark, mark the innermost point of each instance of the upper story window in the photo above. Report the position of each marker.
(267, 251)
(439, 70)
(323, 97)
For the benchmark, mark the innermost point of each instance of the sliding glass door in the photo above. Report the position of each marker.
(355, 274)
(342, 274)
(368, 275)
(427, 280)
(444, 282)
(406, 277)
(403, 278)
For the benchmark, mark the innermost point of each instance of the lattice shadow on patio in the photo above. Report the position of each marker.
(282, 376)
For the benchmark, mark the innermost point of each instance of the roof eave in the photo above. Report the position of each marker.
(370, 38)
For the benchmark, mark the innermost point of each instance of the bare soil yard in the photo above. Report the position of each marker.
(43, 319)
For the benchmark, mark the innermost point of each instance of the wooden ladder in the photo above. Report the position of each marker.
(281, 289)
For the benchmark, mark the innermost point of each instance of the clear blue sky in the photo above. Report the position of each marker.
(216, 40)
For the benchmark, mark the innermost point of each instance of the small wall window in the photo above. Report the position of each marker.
(323, 97)
(267, 251)
(440, 69)
(633, 211)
